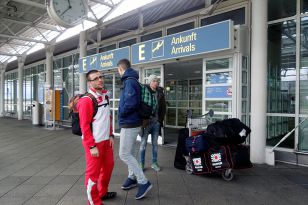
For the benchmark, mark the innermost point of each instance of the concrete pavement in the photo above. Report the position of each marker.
(39, 166)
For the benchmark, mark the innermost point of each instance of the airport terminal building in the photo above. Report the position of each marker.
(243, 59)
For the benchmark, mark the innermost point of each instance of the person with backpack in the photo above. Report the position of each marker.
(154, 123)
(97, 139)
(130, 124)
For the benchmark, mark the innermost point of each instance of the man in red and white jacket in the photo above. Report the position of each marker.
(97, 140)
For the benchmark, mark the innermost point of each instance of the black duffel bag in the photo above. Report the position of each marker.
(228, 132)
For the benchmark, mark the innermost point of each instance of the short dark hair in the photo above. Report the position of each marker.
(124, 62)
(89, 73)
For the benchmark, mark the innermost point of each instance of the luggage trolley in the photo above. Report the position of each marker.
(200, 123)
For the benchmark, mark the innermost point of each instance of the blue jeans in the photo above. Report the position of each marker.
(153, 129)
(127, 153)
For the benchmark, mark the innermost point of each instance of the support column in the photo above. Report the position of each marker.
(2, 79)
(98, 40)
(21, 63)
(49, 66)
(82, 53)
(258, 81)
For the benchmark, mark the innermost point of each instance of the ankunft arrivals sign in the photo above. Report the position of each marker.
(211, 38)
(103, 61)
(206, 39)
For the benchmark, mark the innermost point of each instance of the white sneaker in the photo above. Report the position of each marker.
(155, 167)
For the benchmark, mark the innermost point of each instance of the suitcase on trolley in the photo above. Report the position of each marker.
(179, 159)
(215, 160)
(220, 158)
(240, 155)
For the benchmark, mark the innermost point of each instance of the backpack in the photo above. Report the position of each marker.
(148, 102)
(196, 144)
(75, 114)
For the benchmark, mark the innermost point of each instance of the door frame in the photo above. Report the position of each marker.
(236, 73)
(161, 139)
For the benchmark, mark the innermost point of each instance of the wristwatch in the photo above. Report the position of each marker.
(111, 136)
(92, 146)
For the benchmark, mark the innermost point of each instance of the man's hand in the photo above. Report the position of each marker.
(94, 152)
(111, 140)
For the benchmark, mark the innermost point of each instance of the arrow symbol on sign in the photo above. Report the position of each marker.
(158, 45)
(93, 60)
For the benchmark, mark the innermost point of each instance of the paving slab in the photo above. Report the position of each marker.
(39, 166)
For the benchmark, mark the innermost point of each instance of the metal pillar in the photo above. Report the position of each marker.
(82, 53)
(49, 66)
(259, 81)
(49, 76)
(21, 63)
(2, 79)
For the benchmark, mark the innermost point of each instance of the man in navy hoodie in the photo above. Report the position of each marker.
(130, 124)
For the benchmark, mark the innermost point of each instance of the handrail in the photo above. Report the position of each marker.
(209, 113)
(288, 134)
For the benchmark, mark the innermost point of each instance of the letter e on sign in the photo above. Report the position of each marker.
(141, 52)
(84, 64)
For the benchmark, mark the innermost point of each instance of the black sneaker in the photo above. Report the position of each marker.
(109, 195)
(129, 183)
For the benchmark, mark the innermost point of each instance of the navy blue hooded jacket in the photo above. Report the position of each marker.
(129, 100)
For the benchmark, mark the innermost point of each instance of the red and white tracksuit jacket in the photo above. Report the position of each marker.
(98, 169)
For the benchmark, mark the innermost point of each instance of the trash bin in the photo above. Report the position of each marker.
(35, 113)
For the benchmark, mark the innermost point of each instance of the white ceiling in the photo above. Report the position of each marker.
(25, 23)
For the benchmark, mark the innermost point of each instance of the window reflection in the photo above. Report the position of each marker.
(281, 67)
(281, 9)
(303, 83)
(303, 99)
(277, 128)
(303, 135)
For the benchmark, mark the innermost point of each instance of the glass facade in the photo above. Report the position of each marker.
(287, 103)
(287, 92)
(180, 28)
(304, 6)
(113, 83)
(66, 78)
(33, 90)
(303, 133)
(303, 81)
(10, 94)
(151, 36)
(183, 91)
(303, 99)
(218, 77)
(107, 48)
(281, 67)
(127, 43)
(278, 9)
(237, 16)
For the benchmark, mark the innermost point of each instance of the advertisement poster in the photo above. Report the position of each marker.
(49, 104)
(218, 92)
(218, 78)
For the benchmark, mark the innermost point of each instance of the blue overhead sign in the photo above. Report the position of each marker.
(215, 37)
(103, 61)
